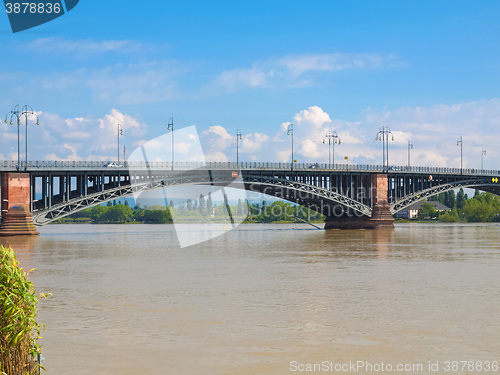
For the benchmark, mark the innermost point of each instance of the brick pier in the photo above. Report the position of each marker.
(15, 205)
(381, 215)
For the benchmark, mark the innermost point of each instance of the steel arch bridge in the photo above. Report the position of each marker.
(318, 198)
(58, 189)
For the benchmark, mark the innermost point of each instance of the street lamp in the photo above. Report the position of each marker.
(170, 126)
(290, 132)
(459, 143)
(331, 135)
(410, 146)
(16, 112)
(483, 152)
(383, 135)
(120, 132)
(238, 138)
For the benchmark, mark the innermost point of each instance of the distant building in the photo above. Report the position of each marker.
(412, 211)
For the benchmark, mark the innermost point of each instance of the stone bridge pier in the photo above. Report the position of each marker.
(381, 214)
(15, 205)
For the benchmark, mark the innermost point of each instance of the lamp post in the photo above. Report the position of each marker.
(383, 135)
(331, 136)
(290, 132)
(120, 132)
(170, 126)
(410, 147)
(460, 143)
(483, 152)
(238, 138)
(17, 112)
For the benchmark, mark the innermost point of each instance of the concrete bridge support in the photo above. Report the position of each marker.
(381, 215)
(15, 205)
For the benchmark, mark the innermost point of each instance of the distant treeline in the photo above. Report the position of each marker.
(194, 210)
(482, 207)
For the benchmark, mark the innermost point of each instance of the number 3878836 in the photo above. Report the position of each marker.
(33, 8)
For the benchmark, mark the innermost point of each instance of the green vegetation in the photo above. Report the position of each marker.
(426, 211)
(19, 332)
(483, 207)
(197, 210)
(281, 212)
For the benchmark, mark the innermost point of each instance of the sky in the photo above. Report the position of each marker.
(430, 71)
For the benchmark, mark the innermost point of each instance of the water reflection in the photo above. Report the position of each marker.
(23, 245)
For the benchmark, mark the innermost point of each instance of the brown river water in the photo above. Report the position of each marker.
(267, 299)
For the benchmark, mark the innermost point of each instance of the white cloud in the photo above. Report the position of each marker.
(284, 156)
(121, 83)
(314, 117)
(72, 157)
(82, 47)
(149, 82)
(433, 131)
(216, 139)
(309, 149)
(77, 135)
(82, 138)
(217, 156)
(251, 143)
(297, 70)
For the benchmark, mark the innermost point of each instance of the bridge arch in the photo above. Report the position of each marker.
(321, 199)
(484, 184)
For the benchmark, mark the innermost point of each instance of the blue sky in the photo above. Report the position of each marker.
(428, 70)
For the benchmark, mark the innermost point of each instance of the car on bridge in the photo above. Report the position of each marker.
(113, 165)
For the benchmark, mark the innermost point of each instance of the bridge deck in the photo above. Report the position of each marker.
(66, 187)
(11, 166)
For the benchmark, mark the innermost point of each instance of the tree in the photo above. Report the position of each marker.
(138, 215)
(202, 206)
(117, 214)
(82, 213)
(161, 216)
(264, 207)
(426, 211)
(449, 199)
(438, 198)
(210, 205)
(478, 210)
(240, 208)
(450, 217)
(460, 199)
(97, 211)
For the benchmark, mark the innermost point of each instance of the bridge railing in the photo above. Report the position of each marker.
(11, 165)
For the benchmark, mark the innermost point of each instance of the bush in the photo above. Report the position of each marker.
(19, 331)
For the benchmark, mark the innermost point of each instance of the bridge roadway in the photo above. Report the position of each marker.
(341, 191)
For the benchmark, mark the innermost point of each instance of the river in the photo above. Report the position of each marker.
(265, 299)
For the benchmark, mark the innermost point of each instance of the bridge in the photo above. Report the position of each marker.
(350, 196)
